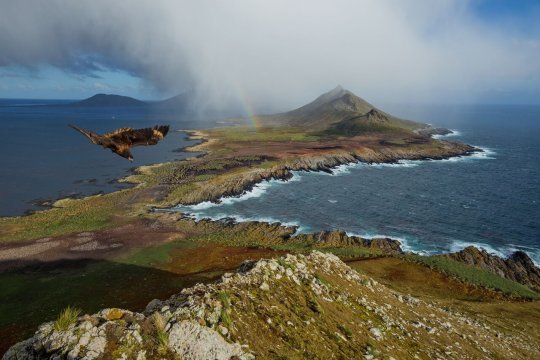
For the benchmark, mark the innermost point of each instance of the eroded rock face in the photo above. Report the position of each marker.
(340, 238)
(191, 340)
(518, 267)
(124, 334)
(429, 131)
(297, 306)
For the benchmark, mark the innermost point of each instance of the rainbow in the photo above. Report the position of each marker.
(249, 109)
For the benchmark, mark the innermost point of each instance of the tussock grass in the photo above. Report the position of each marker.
(161, 337)
(67, 317)
(225, 299)
(225, 316)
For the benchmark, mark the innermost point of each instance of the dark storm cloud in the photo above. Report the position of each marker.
(275, 51)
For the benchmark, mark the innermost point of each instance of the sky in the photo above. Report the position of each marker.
(273, 54)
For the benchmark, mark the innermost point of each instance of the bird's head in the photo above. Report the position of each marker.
(125, 153)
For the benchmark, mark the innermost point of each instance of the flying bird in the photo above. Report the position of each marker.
(121, 140)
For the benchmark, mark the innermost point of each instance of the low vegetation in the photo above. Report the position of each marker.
(473, 275)
(67, 317)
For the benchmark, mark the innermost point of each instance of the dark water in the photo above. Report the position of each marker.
(490, 200)
(42, 158)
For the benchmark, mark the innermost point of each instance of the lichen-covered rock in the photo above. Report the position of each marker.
(191, 340)
(297, 306)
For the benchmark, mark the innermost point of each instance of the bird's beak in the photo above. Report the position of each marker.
(130, 159)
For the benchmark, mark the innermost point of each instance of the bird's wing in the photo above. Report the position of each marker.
(135, 137)
(121, 134)
(148, 136)
(93, 137)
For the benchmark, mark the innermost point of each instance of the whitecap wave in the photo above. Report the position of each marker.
(197, 216)
(405, 244)
(339, 170)
(256, 191)
(400, 163)
(458, 245)
(452, 134)
(503, 251)
(342, 169)
(261, 188)
(485, 154)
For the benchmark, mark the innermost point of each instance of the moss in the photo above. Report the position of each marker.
(115, 314)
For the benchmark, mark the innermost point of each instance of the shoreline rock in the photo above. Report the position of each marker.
(326, 163)
(430, 131)
(517, 267)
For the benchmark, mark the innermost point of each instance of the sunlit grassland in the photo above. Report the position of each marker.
(68, 215)
(263, 134)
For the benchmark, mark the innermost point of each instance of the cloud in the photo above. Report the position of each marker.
(278, 53)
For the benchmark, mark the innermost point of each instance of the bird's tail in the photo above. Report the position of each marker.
(90, 135)
(162, 130)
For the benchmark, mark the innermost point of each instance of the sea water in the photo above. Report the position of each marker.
(43, 159)
(490, 199)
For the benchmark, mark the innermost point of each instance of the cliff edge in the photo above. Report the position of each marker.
(296, 306)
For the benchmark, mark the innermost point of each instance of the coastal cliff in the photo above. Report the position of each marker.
(517, 267)
(302, 306)
(314, 158)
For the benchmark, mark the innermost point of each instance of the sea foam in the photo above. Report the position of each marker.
(452, 134)
(407, 244)
(503, 251)
(256, 191)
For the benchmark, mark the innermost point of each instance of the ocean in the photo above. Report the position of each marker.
(490, 200)
(43, 159)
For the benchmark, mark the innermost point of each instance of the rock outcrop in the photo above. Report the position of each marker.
(340, 238)
(430, 131)
(517, 267)
(245, 181)
(297, 306)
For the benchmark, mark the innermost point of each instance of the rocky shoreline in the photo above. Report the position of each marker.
(325, 163)
(517, 267)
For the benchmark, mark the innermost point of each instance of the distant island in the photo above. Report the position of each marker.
(177, 102)
(108, 100)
